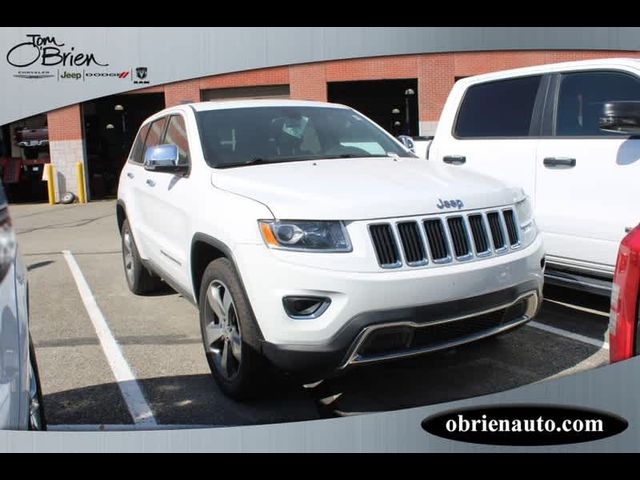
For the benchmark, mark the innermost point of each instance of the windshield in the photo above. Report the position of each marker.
(248, 136)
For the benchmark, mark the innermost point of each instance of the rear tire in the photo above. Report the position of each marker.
(230, 335)
(139, 279)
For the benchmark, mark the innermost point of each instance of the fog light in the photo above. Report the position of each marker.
(305, 307)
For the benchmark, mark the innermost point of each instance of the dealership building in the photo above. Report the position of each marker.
(403, 93)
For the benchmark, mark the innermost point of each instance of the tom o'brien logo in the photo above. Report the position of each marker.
(45, 56)
(39, 52)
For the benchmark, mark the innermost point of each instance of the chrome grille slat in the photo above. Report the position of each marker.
(497, 234)
(385, 245)
(441, 239)
(436, 239)
(479, 233)
(411, 240)
(459, 236)
(511, 225)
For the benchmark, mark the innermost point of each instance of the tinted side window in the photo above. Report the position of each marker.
(498, 109)
(136, 150)
(177, 135)
(155, 134)
(582, 96)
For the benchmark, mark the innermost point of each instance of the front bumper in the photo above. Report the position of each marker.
(391, 334)
(360, 301)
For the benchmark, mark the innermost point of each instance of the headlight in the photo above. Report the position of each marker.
(524, 211)
(528, 228)
(315, 236)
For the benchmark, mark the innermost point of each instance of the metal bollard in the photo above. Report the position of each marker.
(80, 180)
(50, 184)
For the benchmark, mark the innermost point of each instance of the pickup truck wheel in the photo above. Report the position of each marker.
(229, 331)
(140, 280)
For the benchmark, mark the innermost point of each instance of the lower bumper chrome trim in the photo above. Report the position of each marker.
(355, 358)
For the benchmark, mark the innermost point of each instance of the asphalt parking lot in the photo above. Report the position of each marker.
(159, 368)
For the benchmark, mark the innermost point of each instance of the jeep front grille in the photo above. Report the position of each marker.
(445, 238)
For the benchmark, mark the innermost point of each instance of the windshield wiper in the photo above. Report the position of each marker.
(256, 161)
(355, 155)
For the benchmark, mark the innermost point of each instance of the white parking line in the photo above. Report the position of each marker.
(571, 335)
(132, 393)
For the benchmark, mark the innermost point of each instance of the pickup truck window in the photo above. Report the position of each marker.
(498, 109)
(249, 136)
(582, 96)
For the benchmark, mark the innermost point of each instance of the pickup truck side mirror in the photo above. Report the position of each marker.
(620, 117)
(407, 141)
(163, 158)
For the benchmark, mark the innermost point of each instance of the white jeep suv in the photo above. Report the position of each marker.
(311, 240)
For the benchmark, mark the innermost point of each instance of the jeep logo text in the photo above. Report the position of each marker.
(450, 204)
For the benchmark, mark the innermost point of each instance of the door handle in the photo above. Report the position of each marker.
(558, 162)
(130, 175)
(151, 183)
(454, 159)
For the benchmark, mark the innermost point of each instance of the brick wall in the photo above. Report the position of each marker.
(65, 147)
(308, 82)
(181, 92)
(405, 66)
(65, 123)
(436, 75)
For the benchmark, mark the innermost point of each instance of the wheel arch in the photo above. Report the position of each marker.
(204, 250)
(121, 214)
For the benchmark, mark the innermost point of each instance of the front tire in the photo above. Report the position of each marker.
(140, 280)
(229, 332)
(37, 420)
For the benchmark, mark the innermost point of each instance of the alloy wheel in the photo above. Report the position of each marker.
(222, 334)
(128, 255)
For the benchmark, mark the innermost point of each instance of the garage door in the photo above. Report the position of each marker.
(263, 91)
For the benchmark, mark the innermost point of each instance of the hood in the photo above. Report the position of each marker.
(362, 188)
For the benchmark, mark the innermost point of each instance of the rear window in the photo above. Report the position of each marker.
(498, 109)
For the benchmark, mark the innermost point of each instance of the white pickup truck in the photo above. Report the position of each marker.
(567, 134)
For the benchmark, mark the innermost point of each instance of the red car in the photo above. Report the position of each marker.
(624, 334)
(32, 137)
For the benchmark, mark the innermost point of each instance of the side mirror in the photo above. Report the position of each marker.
(407, 141)
(621, 117)
(163, 158)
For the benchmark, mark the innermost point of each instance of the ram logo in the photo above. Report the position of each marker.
(457, 203)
